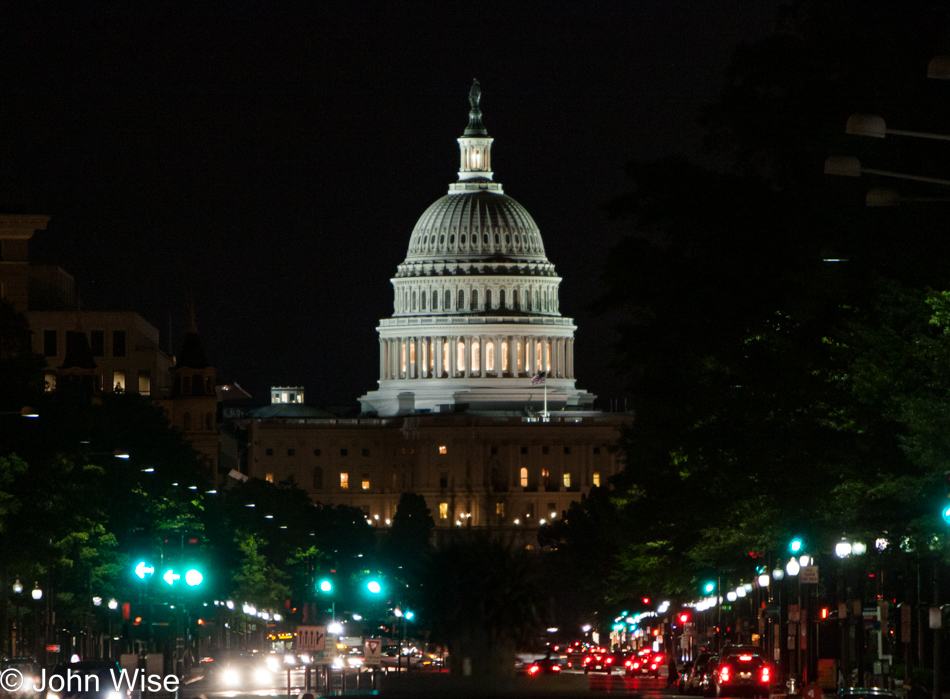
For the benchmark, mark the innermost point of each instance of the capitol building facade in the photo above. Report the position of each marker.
(476, 406)
(476, 313)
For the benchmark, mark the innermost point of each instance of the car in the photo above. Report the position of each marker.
(646, 664)
(707, 686)
(601, 661)
(27, 672)
(694, 675)
(544, 666)
(244, 672)
(743, 674)
(87, 679)
(866, 693)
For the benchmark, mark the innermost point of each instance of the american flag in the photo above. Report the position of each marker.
(539, 379)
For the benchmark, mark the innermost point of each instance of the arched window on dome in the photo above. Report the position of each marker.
(489, 356)
(460, 358)
(435, 300)
(422, 301)
(461, 303)
(514, 299)
(448, 300)
(476, 357)
(487, 299)
(544, 300)
(504, 355)
(501, 298)
(414, 300)
(474, 300)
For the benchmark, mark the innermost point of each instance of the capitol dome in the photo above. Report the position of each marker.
(476, 322)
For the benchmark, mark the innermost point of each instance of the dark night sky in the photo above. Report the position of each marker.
(270, 160)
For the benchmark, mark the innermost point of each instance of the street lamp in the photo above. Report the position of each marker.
(17, 591)
(849, 166)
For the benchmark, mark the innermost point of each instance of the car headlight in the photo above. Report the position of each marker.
(338, 662)
(229, 677)
(262, 675)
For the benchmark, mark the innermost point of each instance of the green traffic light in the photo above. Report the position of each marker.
(946, 514)
(326, 586)
(709, 588)
(374, 587)
(795, 545)
(194, 577)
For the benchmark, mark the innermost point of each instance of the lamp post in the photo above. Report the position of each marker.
(37, 595)
(16, 641)
(845, 549)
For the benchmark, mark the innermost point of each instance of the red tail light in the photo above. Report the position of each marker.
(610, 661)
(745, 658)
(555, 668)
(766, 676)
(725, 674)
(534, 670)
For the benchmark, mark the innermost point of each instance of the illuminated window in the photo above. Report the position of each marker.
(460, 356)
(500, 509)
(443, 450)
(445, 356)
(412, 352)
(423, 352)
(145, 382)
(118, 381)
(524, 478)
(519, 359)
(567, 479)
(402, 355)
(538, 358)
(269, 477)
(504, 355)
(365, 482)
(596, 479)
(344, 481)
(490, 356)
(476, 356)
(443, 510)
(50, 379)
(545, 475)
(547, 364)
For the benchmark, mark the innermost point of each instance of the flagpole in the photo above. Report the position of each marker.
(544, 415)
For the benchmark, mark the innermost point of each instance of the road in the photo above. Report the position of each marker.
(597, 683)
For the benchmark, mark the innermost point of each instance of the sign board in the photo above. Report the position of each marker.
(936, 617)
(52, 648)
(808, 575)
(372, 651)
(311, 639)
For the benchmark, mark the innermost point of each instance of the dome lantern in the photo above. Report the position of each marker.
(475, 146)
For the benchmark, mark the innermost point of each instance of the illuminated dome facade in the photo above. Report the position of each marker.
(476, 313)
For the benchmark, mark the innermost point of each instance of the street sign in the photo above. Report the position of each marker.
(808, 575)
(372, 651)
(311, 639)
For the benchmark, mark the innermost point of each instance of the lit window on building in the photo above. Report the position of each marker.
(443, 510)
(500, 509)
(269, 477)
(524, 478)
(545, 476)
(118, 381)
(443, 449)
(567, 479)
(145, 382)
(50, 380)
(476, 356)
(365, 482)
(596, 478)
(460, 357)
(344, 481)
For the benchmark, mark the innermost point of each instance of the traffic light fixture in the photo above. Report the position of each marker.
(945, 509)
